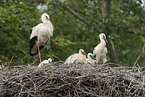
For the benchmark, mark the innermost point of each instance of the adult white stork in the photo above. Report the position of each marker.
(76, 58)
(45, 62)
(40, 35)
(100, 50)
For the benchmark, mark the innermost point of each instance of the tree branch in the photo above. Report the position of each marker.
(78, 16)
(72, 11)
(107, 7)
(131, 31)
(79, 10)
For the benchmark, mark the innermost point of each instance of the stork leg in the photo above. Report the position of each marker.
(39, 54)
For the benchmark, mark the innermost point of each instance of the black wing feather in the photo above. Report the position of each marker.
(42, 46)
(30, 31)
(32, 43)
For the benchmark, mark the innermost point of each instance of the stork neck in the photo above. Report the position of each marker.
(89, 57)
(103, 42)
(45, 21)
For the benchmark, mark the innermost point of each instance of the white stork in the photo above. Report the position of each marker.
(45, 62)
(76, 58)
(104, 57)
(100, 50)
(90, 59)
(40, 35)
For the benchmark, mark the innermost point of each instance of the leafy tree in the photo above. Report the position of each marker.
(78, 24)
(16, 17)
(119, 20)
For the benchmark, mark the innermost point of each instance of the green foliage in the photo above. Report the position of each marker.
(57, 47)
(124, 15)
(17, 17)
(15, 23)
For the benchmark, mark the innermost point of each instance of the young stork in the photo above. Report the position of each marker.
(90, 59)
(45, 62)
(104, 57)
(100, 50)
(40, 35)
(76, 58)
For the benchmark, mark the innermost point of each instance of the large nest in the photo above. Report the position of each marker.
(72, 80)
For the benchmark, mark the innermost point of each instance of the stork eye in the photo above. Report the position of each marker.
(104, 37)
(46, 17)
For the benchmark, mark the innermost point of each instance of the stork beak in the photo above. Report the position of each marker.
(83, 53)
(93, 57)
(106, 40)
(51, 23)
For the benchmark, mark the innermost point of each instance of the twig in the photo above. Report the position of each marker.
(32, 63)
(11, 60)
(72, 80)
(136, 60)
(58, 59)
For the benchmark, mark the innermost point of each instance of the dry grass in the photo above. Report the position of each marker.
(79, 80)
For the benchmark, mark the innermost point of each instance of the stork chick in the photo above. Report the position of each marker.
(76, 58)
(45, 62)
(90, 59)
(99, 51)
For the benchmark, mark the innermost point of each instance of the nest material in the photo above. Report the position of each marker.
(79, 80)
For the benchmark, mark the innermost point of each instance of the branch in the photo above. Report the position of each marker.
(107, 7)
(78, 16)
(72, 11)
(79, 10)
(131, 31)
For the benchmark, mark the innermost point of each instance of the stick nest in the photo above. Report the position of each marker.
(73, 80)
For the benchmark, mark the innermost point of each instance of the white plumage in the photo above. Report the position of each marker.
(104, 57)
(45, 62)
(40, 35)
(76, 58)
(90, 59)
(100, 50)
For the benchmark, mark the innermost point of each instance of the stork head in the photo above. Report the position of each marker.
(45, 17)
(49, 60)
(90, 55)
(103, 36)
(81, 51)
